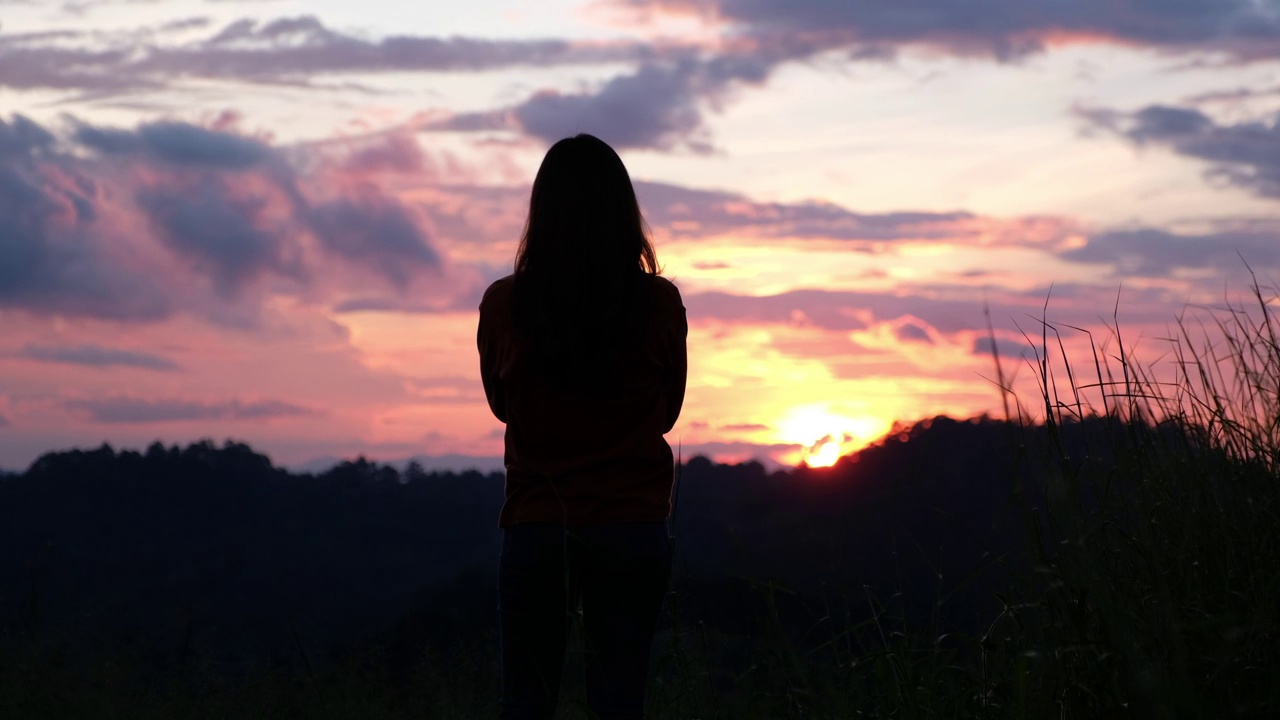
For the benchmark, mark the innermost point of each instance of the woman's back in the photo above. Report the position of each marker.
(585, 420)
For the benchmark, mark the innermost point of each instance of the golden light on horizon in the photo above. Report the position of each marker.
(825, 456)
(827, 435)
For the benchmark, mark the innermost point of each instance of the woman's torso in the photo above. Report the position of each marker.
(594, 453)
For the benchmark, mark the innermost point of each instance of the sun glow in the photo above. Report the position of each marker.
(825, 456)
(827, 435)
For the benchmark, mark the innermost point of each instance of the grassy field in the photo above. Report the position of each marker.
(1151, 589)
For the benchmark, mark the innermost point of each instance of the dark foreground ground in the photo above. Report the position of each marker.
(957, 569)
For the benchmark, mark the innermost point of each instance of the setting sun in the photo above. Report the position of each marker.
(825, 456)
(826, 435)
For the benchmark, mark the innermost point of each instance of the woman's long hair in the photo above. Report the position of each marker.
(584, 267)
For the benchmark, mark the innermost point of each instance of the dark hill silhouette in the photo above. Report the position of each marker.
(213, 550)
(217, 546)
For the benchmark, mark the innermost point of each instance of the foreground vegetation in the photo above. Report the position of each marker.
(1146, 586)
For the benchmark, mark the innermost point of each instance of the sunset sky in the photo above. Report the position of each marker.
(272, 220)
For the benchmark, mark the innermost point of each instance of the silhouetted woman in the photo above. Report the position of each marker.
(582, 354)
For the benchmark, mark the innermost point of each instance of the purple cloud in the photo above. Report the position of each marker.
(225, 229)
(849, 310)
(22, 138)
(285, 50)
(982, 346)
(178, 143)
(660, 103)
(403, 305)
(1245, 154)
(95, 356)
(123, 410)
(377, 231)
(1148, 252)
(1151, 252)
(1003, 29)
(660, 106)
(913, 332)
(693, 213)
(25, 65)
(230, 208)
(225, 234)
(247, 50)
(50, 257)
(948, 309)
(655, 107)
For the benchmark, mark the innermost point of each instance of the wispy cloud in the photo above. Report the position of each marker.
(137, 410)
(915, 313)
(730, 451)
(1156, 253)
(291, 50)
(95, 356)
(690, 213)
(661, 100)
(1018, 349)
(744, 427)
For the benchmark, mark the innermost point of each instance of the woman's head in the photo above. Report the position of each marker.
(584, 265)
(583, 215)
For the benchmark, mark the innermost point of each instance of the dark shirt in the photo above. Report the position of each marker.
(585, 458)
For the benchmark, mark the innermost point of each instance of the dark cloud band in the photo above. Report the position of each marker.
(288, 50)
(1245, 154)
(126, 410)
(1004, 29)
(95, 356)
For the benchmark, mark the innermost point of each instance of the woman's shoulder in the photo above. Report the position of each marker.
(498, 291)
(667, 291)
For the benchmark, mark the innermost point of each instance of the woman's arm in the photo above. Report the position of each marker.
(490, 348)
(679, 359)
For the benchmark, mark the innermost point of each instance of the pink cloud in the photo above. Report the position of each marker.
(743, 427)
(171, 217)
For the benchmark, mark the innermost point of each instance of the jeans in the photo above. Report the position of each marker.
(619, 573)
